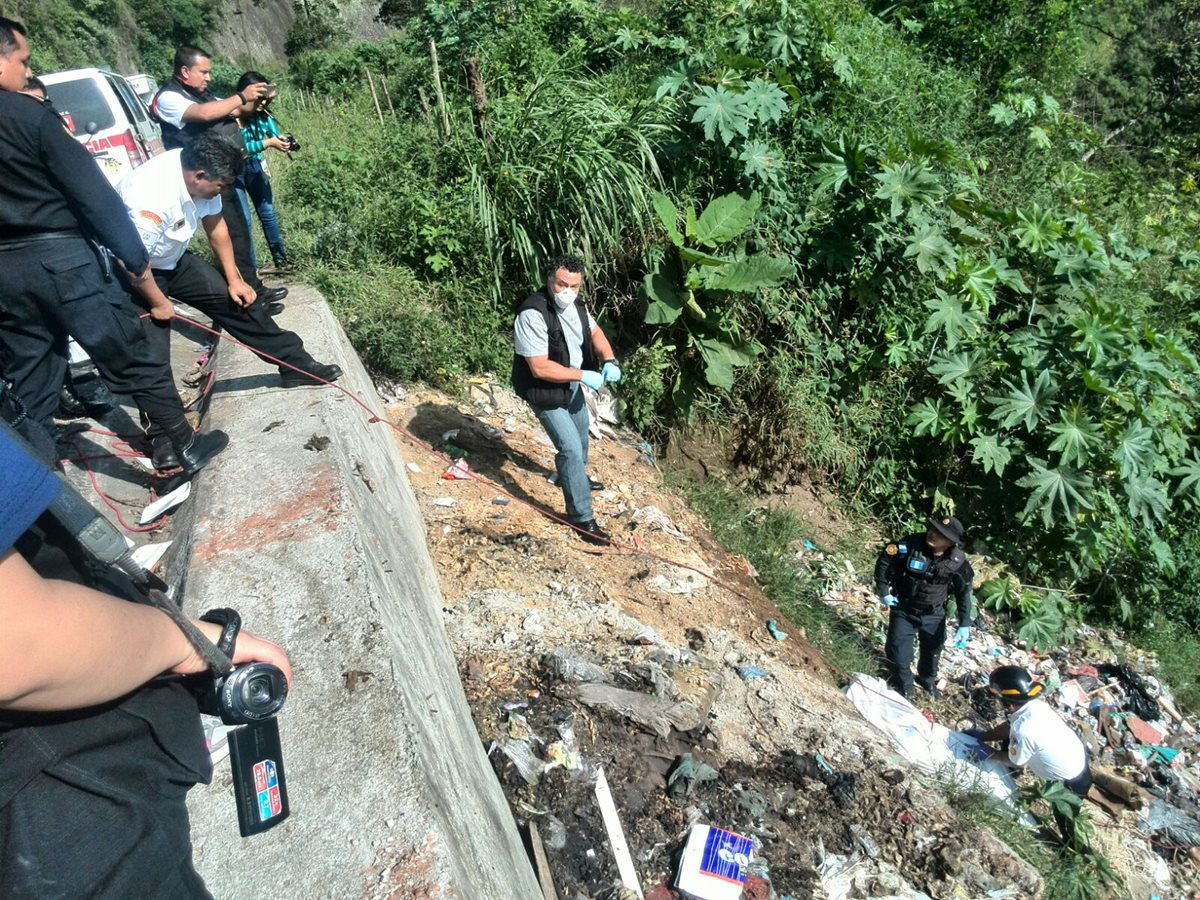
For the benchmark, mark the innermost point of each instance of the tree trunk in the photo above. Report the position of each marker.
(478, 98)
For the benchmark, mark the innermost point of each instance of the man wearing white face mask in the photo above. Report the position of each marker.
(558, 346)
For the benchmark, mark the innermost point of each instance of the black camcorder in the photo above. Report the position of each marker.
(293, 145)
(246, 694)
(249, 696)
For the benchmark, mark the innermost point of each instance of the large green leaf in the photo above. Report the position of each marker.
(725, 218)
(988, 452)
(722, 113)
(1037, 229)
(931, 249)
(765, 101)
(1135, 450)
(751, 274)
(946, 313)
(907, 185)
(954, 368)
(1189, 472)
(840, 164)
(1147, 500)
(761, 161)
(927, 418)
(668, 214)
(1055, 490)
(1025, 403)
(664, 297)
(1077, 437)
(720, 359)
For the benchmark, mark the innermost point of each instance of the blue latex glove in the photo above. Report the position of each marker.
(611, 372)
(592, 379)
(961, 637)
(888, 599)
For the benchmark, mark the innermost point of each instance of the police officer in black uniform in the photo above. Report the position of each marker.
(914, 578)
(185, 109)
(55, 208)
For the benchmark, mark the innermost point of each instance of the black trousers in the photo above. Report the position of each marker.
(54, 288)
(905, 628)
(92, 801)
(1079, 786)
(196, 283)
(239, 236)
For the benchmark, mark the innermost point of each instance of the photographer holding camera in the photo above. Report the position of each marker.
(97, 749)
(260, 131)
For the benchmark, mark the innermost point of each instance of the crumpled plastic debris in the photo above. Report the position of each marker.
(749, 673)
(686, 775)
(773, 627)
(1171, 824)
(653, 516)
(459, 470)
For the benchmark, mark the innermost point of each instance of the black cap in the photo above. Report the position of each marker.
(949, 527)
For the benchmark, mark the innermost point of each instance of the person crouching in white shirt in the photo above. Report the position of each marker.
(168, 198)
(1038, 738)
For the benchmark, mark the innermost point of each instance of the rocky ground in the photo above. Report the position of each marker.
(654, 661)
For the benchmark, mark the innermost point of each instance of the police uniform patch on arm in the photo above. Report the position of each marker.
(150, 216)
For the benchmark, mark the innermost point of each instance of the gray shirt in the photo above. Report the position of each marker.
(531, 339)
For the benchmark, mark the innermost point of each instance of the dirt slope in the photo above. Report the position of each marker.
(789, 761)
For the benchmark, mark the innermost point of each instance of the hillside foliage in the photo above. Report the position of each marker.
(939, 256)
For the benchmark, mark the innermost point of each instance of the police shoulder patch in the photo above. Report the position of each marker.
(891, 549)
(153, 217)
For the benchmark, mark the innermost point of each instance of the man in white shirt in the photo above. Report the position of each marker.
(557, 348)
(168, 198)
(1038, 738)
(185, 110)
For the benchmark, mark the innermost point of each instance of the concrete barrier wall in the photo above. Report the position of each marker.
(308, 527)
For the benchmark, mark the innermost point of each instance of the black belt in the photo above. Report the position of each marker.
(37, 237)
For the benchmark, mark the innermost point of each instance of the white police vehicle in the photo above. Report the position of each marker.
(106, 115)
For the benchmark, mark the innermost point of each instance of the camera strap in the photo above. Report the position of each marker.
(101, 539)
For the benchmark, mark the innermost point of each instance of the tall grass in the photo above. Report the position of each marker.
(563, 167)
(763, 535)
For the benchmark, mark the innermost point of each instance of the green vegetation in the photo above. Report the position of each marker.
(763, 535)
(941, 278)
(1070, 873)
(934, 255)
(115, 33)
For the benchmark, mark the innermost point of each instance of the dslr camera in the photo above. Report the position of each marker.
(293, 145)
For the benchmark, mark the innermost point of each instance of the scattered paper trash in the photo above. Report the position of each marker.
(445, 502)
(448, 436)
(773, 627)
(148, 555)
(414, 468)
(714, 864)
(460, 470)
(499, 501)
(167, 502)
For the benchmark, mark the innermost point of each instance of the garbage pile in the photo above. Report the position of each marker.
(1145, 752)
(642, 768)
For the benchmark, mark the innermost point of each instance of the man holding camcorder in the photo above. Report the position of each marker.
(100, 739)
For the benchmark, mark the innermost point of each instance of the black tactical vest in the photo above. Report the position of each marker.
(537, 392)
(175, 138)
(924, 582)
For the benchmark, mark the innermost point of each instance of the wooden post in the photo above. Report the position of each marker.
(387, 95)
(437, 89)
(374, 96)
(425, 111)
(478, 98)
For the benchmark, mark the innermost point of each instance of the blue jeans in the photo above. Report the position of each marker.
(254, 187)
(568, 429)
